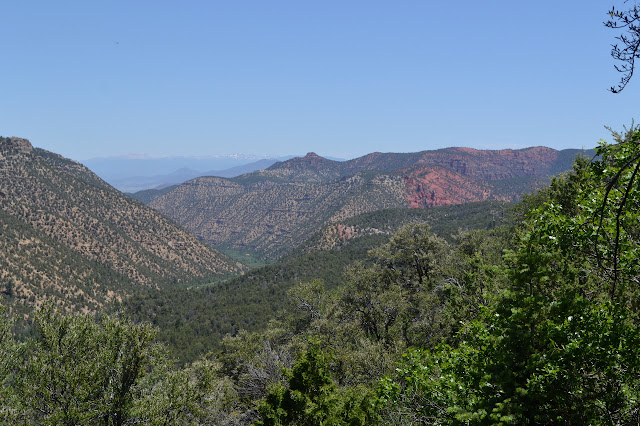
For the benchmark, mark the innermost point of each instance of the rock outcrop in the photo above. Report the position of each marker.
(14, 144)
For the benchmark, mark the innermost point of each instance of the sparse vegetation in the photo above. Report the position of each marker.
(67, 235)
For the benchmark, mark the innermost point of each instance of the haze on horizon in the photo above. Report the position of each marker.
(342, 79)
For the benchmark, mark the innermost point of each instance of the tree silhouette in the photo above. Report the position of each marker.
(627, 50)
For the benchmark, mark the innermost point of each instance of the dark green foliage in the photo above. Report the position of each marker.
(461, 333)
(79, 370)
(419, 289)
(366, 324)
(388, 298)
(561, 343)
(193, 322)
(311, 396)
(576, 369)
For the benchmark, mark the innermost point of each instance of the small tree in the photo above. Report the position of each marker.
(311, 396)
(396, 300)
(80, 369)
(193, 395)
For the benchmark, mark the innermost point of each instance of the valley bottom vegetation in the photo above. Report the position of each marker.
(533, 320)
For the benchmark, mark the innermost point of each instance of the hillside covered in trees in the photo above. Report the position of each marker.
(507, 309)
(530, 321)
(192, 321)
(270, 212)
(67, 235)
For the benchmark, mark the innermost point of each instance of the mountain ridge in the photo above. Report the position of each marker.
(463, 160)
(272, 211)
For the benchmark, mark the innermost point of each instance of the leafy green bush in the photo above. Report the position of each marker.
(560, 344)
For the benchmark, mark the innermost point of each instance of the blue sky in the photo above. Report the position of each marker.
(341, 78)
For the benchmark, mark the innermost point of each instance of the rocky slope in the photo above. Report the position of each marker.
(270, 212)
(66, 234)
(271, 218)
(445, 221)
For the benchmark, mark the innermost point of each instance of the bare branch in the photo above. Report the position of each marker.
(628, 21)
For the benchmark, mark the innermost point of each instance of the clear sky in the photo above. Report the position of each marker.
(338, 77)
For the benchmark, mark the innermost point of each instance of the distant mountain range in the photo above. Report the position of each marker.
(145, 165)
(66, 234)
(271, 212)
(138, 174)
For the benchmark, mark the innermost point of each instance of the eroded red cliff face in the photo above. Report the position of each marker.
(461, 175)
(438, 186)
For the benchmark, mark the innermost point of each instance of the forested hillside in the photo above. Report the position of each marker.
(67, 235)
(270, 212)
(271, 219)
(196, 320)
(448, 287)
(532, 321)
